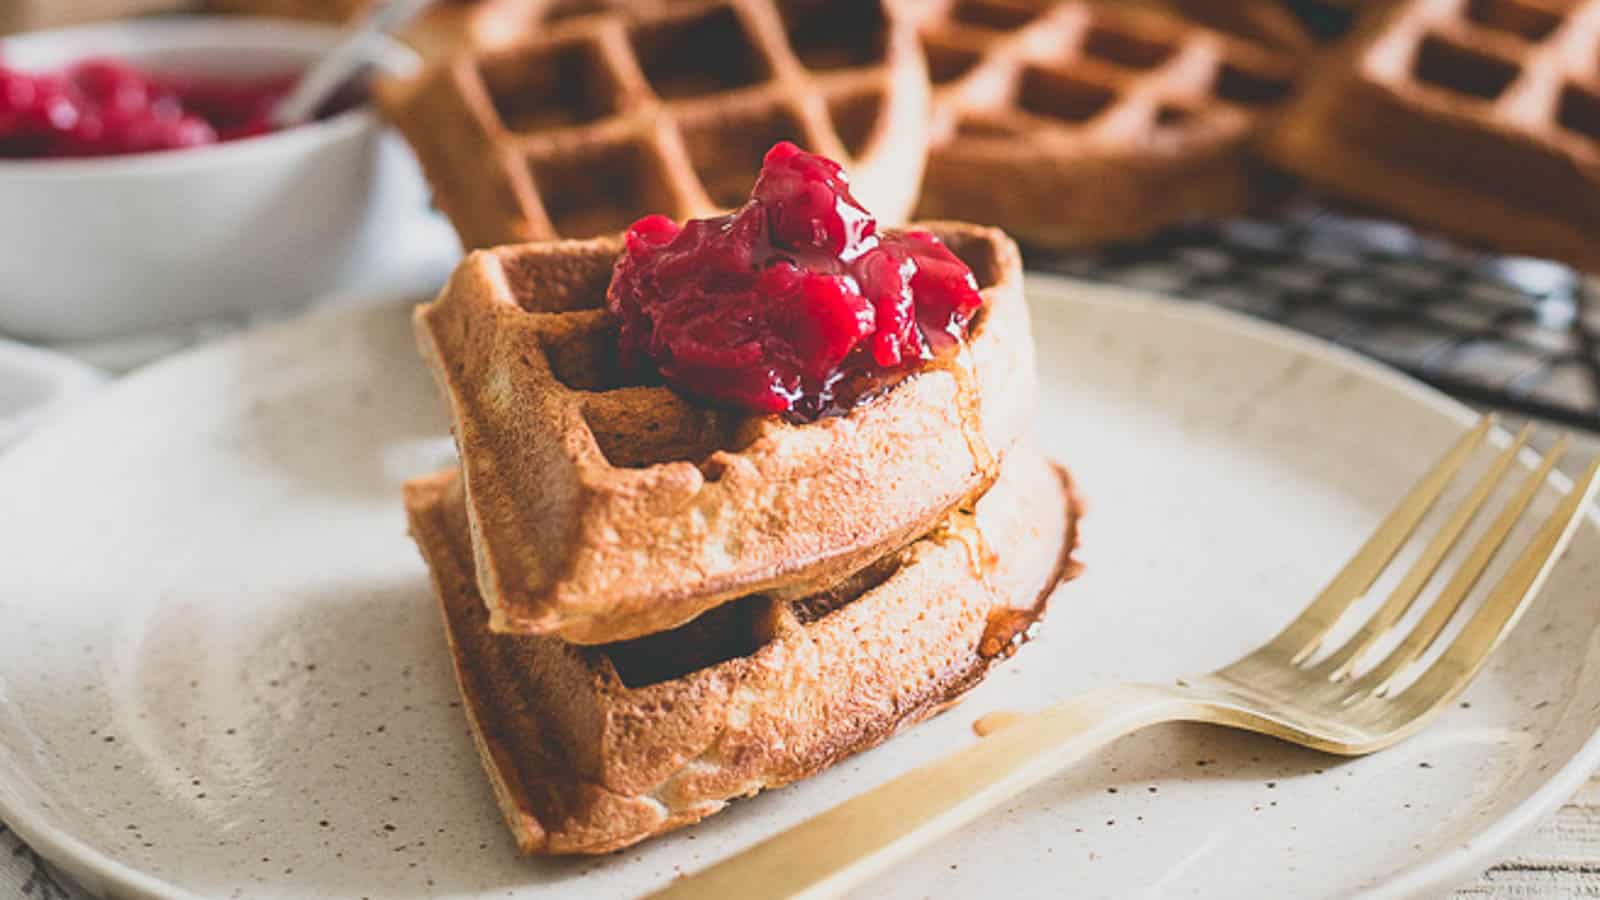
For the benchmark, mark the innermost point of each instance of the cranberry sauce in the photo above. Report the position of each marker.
(104, 107)
(791, 304)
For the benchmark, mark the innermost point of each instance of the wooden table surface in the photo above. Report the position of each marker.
(1561, 859)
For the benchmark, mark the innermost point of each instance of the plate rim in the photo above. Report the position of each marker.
(100, 873)
(1448, 868)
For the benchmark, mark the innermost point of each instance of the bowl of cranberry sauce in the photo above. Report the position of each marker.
(142, 185)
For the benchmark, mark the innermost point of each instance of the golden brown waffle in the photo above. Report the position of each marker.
(604, 508)
(1078, 123)
(37, 15)
(1480, 118)
(532, 13)
(1266, 22)
(602, 119)
(594, 748)
(1298, 27)
(320, 10)
(445, 29)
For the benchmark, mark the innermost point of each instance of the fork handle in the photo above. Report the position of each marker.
(839, 849)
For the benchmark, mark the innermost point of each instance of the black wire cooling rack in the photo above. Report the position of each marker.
(1519, 334)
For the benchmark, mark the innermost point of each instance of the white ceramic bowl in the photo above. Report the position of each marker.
(104, 247)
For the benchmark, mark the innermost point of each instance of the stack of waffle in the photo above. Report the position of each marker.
(656, 605)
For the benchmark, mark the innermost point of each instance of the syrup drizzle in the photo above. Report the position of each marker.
(1007, 630)
(981, 558)
(1010, 628)
(963, 367)
(990, 723)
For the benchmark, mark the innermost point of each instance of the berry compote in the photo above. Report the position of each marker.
(792, 304)
(104, 107)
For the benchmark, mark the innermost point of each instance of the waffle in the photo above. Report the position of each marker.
(605, 507)
(36, 15)
(1285, 24)
(320, 10)
(1480, 118)
(445, 29)
(600, 119)
(591, 749)
(532, 13)
(1266, 22)
(1079, 123)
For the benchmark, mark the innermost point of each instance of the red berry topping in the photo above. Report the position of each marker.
(791, 304)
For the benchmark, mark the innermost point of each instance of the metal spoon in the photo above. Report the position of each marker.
(343, 61)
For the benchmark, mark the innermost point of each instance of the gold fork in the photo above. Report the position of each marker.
(1282, 689)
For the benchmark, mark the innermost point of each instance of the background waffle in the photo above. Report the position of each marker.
(1292, 25)
(323, 10)
(600, 119)
(533, 12)
(446, 28)
(1480, 118)
(605, 507)
(1078, 123)
(36, 15)
(593, 748)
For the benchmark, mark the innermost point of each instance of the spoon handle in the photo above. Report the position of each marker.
(339, 64)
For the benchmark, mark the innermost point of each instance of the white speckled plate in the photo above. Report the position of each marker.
(34, 384)
(221, 673)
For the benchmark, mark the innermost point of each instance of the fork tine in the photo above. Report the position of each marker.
(1304, 634)
(1444, 607)
(1505, 605)
(1338, 666)
(1380, 681)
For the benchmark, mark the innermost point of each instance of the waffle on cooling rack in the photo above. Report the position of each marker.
(1299, 26)
(450, 26)
(444, 29)
(594, 748)
(1480, 118)
(1077, 123)
(533, 11)
(325, 10)
(604, 507)
(599, 119)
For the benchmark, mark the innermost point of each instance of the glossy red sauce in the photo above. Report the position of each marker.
(105, 107)
(792, 304)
